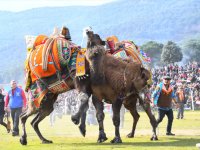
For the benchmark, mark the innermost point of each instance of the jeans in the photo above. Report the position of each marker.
(15, 113)
(180, 110)
(170, 116)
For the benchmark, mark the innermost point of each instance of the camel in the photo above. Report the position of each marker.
(46, 105)
(116, 89)
(116, 81)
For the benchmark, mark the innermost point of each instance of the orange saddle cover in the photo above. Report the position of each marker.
(35, 62)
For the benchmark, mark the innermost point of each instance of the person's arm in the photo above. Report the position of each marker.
(24, 98)
(7, 98)
(173, 96)
(155, 94)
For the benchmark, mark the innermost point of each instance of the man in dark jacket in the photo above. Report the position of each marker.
(2, 112)
(163, 96)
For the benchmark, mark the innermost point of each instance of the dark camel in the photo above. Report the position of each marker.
(116, 81)
(96, 55)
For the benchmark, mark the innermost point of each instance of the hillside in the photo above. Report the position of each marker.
(139, 20)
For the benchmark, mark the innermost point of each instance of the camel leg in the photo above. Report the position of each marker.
(85, 92)
(83, 97)
(24, 117)
(45, 109)
(146, 107)
(132, 108)
(116, 106)
(82, 127)
(100, 118)
(39, 117)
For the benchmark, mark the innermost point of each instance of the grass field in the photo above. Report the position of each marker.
(66, 136)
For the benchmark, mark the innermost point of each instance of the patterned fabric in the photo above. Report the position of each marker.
(36, 60)
(80, 63)
(37, 92)
(121, 54)
(64, 53)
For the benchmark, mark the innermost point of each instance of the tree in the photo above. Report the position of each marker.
(171, 53)
(192, 49)
(153, 50)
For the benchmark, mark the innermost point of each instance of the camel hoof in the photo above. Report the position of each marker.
(154, 138)
(75, 120)
(130, 135)
(82, 130)
(47, 142)
(23, 141)
(116, 140)
(102, 138)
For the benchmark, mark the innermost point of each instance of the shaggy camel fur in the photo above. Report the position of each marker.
(117, 82)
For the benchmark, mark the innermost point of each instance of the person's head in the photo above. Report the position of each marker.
(180, 87)
(13, 84)
(166, 80)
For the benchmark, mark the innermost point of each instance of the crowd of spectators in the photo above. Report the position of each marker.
(186, 76)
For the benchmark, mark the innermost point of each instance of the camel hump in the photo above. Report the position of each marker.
(40, 39)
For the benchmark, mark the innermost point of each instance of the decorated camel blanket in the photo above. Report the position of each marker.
(45, 57)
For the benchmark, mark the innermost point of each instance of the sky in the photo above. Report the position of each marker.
(21, 5)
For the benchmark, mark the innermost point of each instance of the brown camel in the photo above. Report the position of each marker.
(93, 40)
(115, 80)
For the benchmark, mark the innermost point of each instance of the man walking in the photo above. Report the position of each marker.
(16, 100)
(180, 94)
(163, 97)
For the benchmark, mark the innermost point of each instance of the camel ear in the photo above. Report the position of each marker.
(144, 73)
(103, 43)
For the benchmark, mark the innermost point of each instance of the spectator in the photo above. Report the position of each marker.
(180, 95)
(2, 112)
(16, 100)
(163, 97)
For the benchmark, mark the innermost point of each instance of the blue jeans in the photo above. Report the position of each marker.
(170, 116)
(15, 113)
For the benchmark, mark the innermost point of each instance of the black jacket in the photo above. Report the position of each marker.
(2, 103)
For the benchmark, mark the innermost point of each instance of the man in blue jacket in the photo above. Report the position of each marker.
(162, 97)
(16, 100)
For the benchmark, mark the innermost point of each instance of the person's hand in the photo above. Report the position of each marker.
(6, 109)
(23, 109)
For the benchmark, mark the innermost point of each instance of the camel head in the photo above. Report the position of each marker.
(95, 53)
(94, 39)
(95, 47)
(140, 81)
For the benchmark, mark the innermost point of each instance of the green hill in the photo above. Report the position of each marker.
(138, 20)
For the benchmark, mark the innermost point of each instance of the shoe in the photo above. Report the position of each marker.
(171, 134)
(177, 118)
(15, 134)
(8, 130)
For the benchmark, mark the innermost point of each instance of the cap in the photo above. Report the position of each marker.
(167, 77)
